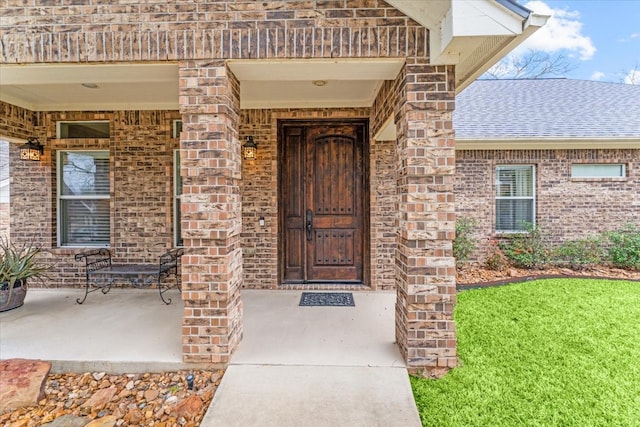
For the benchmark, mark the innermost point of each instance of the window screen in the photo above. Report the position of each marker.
(515, 201)
(83, 198)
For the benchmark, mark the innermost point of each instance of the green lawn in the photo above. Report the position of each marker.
(559, 352)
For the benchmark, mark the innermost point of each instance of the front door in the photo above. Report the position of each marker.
(322, 215)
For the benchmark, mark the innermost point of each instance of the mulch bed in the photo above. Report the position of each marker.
(474, 276)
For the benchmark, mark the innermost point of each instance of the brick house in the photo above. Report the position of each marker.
(143, 109)
(562, 154)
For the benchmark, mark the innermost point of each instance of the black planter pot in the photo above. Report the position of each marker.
(11, 298)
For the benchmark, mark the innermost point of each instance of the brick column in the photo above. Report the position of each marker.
(425, 267)
(211, 212)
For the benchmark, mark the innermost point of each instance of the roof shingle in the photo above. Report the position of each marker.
(547, 108)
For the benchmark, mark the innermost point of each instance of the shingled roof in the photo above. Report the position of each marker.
(547, 109)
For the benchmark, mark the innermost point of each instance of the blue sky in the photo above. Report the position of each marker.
(600, 38)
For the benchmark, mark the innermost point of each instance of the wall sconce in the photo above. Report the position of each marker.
(32, 150)
(249, 149)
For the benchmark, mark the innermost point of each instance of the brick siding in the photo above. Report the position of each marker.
(425, 267)
(157, 31)
(140, 145)
(566, 208)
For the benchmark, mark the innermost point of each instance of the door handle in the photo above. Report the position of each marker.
(309, 226)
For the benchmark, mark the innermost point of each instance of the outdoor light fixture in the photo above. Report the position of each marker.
(249, 149)
(32, 150)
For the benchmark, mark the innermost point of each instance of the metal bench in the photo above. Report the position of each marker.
(101, 273)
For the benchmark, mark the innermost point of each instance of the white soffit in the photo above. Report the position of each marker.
(473, 35)
(290, 83)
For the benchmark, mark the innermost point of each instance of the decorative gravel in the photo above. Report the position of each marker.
(99, 399)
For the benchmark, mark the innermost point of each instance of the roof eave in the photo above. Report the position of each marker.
(471, 35)
(532, 24)
(548, 143)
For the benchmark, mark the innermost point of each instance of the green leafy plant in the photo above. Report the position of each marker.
(580, 253)
(624, 247)
(526, 249)
(464, 244)
(18, 263)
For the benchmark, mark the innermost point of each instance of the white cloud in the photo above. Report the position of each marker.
(598, 75)
(631, 37)
(563, 31)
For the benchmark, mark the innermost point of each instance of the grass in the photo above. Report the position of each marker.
(559, 352)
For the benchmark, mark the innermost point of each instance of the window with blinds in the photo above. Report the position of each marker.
(83, 198)
(515, 197)
(177, 194)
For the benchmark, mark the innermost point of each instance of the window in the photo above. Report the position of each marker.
(83, 129)
(177, 128)
(515, 197)
(83, 198)
(177, 194)
(593, 170)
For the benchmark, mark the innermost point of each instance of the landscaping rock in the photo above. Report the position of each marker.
(22, 383)
(67, 421)
(106, 421)
(188, 408)
(80, 398)
(100, 398)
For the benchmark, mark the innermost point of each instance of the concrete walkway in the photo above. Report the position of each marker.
(315, 366)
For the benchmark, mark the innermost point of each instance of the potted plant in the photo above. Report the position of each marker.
(17, 264)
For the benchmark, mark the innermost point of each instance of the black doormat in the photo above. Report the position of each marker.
(338, 299)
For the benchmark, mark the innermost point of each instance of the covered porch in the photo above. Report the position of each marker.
(129, 331)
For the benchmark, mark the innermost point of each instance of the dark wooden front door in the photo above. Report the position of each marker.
(322, 192)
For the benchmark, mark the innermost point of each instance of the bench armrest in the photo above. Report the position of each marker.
(94, 259)
(170, 260)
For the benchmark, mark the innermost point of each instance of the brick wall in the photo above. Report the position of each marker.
(157, 30)
(211, 211)
(384, 201)
(566, 208)
(141, 153)
(425, 267)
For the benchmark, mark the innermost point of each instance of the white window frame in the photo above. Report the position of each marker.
(622, 170)
(177, 196)
(63, 122)
(60, 197)
(498, 197)
(176, 129)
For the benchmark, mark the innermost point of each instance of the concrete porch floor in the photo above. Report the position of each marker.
(328, 366)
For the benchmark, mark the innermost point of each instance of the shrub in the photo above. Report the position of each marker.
(496, 260)
(464, 244)
(624, 247)
(527, 249)
(580, 253)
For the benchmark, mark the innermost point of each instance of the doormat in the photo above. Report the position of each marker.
(337, 299)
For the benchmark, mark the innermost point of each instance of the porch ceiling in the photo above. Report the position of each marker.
(264, 84)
